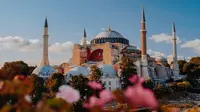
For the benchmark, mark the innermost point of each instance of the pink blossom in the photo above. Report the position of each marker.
(27, 98)
(136, 79)
(106, 96)
(68, 94)
(94, 101)
(94, 85)
(139, 96)
(1, 85)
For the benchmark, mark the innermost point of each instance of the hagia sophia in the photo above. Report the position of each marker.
(105, 51)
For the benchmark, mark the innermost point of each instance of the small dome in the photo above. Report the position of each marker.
(109, 34)
(107, 70)
(44, 71)
(160, 59)
(78, 70)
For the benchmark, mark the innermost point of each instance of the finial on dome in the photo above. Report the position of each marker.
(109, 29)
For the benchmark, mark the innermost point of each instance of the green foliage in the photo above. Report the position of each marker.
(148, 84)
(127, 70)
(38, 88)
(95, 73)
(195, 60)
(181, 64)
(54, 82)
(80, 83)
(166, 65)
(11, 69)
(189, 67)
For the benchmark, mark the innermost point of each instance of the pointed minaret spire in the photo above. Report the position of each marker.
(84, 40)
(84, 34)
(46, 23)
(174, 47)
(109, 29)
(173, 27)
(143, 14)
(45, 58)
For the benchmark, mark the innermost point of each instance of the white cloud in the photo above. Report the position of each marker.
(153, 53)
(19, 43)
(193, 44)
(163, 38)
(61, 47)
(25, 45)
(170, 58)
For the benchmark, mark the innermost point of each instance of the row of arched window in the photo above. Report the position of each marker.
(111, 40)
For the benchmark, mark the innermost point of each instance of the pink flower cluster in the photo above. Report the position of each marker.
(94, 85)
(137, 95)
(105, 96)
(68, 94)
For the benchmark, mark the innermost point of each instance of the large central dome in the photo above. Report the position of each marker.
(109, 36)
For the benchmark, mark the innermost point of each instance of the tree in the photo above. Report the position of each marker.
(95, 73)
(54, 82)
(195, 60)
(181, 64)
(10, 69)
(166, 65)
(128, 69)
(38, 88)
(80, 83)
(189, 67)
(31, 69)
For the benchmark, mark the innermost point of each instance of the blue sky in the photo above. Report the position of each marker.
(24, 20)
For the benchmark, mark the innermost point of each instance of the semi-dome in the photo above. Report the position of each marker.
(107, 70)
(44, 71)
(160, 59)
(109, 36)
(78, 70)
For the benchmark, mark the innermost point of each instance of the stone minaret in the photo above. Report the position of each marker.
(144, 61)
(175, 62)
(84, 40)
(45, 59)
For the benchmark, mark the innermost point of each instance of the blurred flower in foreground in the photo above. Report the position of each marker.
(27, 98)
(94, 101)
(95, 85)
(105, 97)
(135, 79)
(1, 85)
(68, 94)
(19, 77)
(137, 95)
